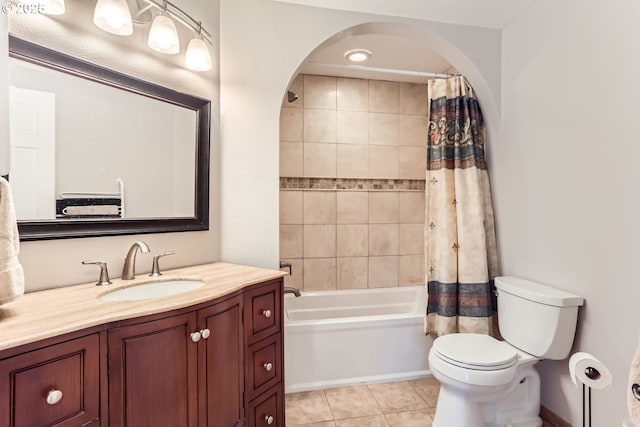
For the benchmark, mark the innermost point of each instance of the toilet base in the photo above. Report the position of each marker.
(468, 413)
(516, 405)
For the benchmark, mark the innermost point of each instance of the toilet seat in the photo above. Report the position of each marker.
(474, 359)
(475, 351)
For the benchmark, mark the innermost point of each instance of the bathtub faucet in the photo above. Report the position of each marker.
(290, 290)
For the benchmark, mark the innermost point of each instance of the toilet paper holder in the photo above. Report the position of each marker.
(635, 389)
(586, 369)
(593, 374)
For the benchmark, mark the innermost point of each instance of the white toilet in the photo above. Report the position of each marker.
(491, 383)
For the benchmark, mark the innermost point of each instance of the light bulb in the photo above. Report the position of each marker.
(357, 55)
(197, 57)
(113, 16)
(163, 36)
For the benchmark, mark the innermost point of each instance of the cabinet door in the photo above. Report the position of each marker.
(56, 386)
(153, 374)
(221, 364)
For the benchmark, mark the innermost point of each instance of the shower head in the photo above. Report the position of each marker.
(291, 96)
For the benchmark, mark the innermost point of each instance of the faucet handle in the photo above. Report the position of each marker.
(155, 268)
(104, 273)
(286, 264)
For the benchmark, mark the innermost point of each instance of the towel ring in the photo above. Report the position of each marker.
(635, 389)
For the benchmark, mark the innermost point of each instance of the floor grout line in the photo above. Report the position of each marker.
(376, 407)
(429, 409)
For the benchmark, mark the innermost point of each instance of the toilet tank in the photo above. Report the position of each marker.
(535, 318)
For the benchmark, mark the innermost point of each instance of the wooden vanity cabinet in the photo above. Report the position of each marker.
(185, 370)
(54, 386)
(217, 364)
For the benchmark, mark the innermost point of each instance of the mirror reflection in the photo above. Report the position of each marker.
(82, 149)
(95, 152)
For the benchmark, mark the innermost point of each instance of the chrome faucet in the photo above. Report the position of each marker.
(129, 269)
(290, 290)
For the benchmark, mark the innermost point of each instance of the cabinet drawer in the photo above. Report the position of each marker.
(264, 365)
(263, 311)
(268, 410)
(56, 386)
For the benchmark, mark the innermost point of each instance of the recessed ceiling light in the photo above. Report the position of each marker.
(357, 55)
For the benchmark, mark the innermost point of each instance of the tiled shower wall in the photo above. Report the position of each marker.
(352, 167)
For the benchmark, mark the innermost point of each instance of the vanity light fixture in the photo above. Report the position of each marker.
(113, 16)
(163, 35)
(357, 55)
(197, 57)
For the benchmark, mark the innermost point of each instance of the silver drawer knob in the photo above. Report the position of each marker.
(266, 313)
(54, 396)
(268, 419)
(268, 367)
(195, 336)
(205, 333)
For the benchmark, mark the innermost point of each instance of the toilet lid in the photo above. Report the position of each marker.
(475, 351)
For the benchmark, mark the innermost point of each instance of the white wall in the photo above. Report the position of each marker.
(565, 179)
(262, 44)
(57, 262)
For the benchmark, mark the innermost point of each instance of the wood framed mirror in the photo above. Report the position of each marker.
(124, 156)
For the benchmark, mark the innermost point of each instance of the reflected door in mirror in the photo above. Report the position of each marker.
(32, 150)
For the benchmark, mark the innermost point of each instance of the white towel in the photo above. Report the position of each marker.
(92, 210)
(11, 273)
(634, 378)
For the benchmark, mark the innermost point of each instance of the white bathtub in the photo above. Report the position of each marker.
(341, 338)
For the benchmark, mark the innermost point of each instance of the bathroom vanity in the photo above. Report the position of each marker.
(208, 357)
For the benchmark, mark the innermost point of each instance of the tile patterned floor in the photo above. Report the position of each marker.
(400, 404)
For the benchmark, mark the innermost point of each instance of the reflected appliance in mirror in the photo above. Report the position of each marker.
(95, 152)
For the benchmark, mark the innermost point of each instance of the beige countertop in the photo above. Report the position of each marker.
(44, 314)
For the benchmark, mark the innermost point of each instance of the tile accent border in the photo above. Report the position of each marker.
(295, 183)
(550, 418)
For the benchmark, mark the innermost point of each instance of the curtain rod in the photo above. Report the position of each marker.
(384, 70)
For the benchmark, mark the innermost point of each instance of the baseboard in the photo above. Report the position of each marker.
(353, 381)
(551, 418)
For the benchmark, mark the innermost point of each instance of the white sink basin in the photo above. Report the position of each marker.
(152, 290)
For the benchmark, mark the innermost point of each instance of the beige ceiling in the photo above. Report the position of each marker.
(388, 52)
(479, 13)
(398, 53)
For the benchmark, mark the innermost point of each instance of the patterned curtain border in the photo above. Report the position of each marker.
(456, 133)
